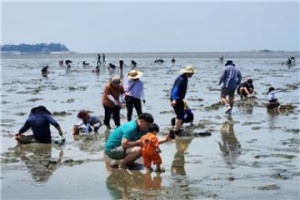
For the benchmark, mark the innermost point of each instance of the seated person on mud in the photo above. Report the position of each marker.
(88, 123)
(246, 89)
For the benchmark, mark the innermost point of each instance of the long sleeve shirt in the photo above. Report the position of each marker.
(40, 125)
(271, 95)
(179, 88)
(231, 77)
(135, 88)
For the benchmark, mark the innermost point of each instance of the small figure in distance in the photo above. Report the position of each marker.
(151, 150)
(45, 71)
(96, 70)
(85, 64)
(103, 58)
(173, 60)
(111, 66)
(121, 62)
(159, 60)
(98, 59)
(68, 63)
(88, 123)
(221, 59)
(61, 63)
(246, 89)
(133, 64)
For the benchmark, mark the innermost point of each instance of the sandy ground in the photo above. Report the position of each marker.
(252, 154)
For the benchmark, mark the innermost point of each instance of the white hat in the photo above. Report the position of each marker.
(188, 70)
(133, 74)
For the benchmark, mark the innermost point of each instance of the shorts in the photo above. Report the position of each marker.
(227, 91)
(117, 153)
(179, 109)
(273, 104)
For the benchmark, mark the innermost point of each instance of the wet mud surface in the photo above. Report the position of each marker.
(252, 154)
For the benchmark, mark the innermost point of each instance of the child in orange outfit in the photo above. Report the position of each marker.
(150, 149)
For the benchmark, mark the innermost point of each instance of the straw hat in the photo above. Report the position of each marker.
(188, 70)
(133, 74)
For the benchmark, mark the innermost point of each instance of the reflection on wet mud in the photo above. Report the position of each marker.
(38, 160)
(132, 184)
(273, 116)
(230, 146)
(89, 142)
(182, 144)
(180, 187)
(246, 106)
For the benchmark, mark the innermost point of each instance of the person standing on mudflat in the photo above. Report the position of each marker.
(177, 96)
(230, 78)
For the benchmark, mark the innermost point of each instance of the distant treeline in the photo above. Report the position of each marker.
(34, 48)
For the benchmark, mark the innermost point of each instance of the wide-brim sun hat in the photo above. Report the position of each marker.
(189, 69)
(134, 74)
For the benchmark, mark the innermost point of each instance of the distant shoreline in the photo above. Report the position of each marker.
(43, 48)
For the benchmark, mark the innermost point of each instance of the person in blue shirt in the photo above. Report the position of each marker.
(39, 121)
(231, 78)
(178, 93)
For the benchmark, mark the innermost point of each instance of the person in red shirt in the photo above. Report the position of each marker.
(150, 149)
(113, 101)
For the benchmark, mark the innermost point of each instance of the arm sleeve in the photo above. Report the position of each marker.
(175, 93)
(111, 98)
(239, 77)
(222, 77)
(25, 127)
(52, 121)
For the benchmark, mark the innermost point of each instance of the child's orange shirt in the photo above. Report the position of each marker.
(149, 144)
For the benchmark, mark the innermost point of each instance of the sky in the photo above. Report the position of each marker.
(153, 26)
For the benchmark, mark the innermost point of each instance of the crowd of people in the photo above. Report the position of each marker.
(138, 137)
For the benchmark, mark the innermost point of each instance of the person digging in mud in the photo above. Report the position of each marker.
(39, 121)
(246, 89)
(88, 123)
